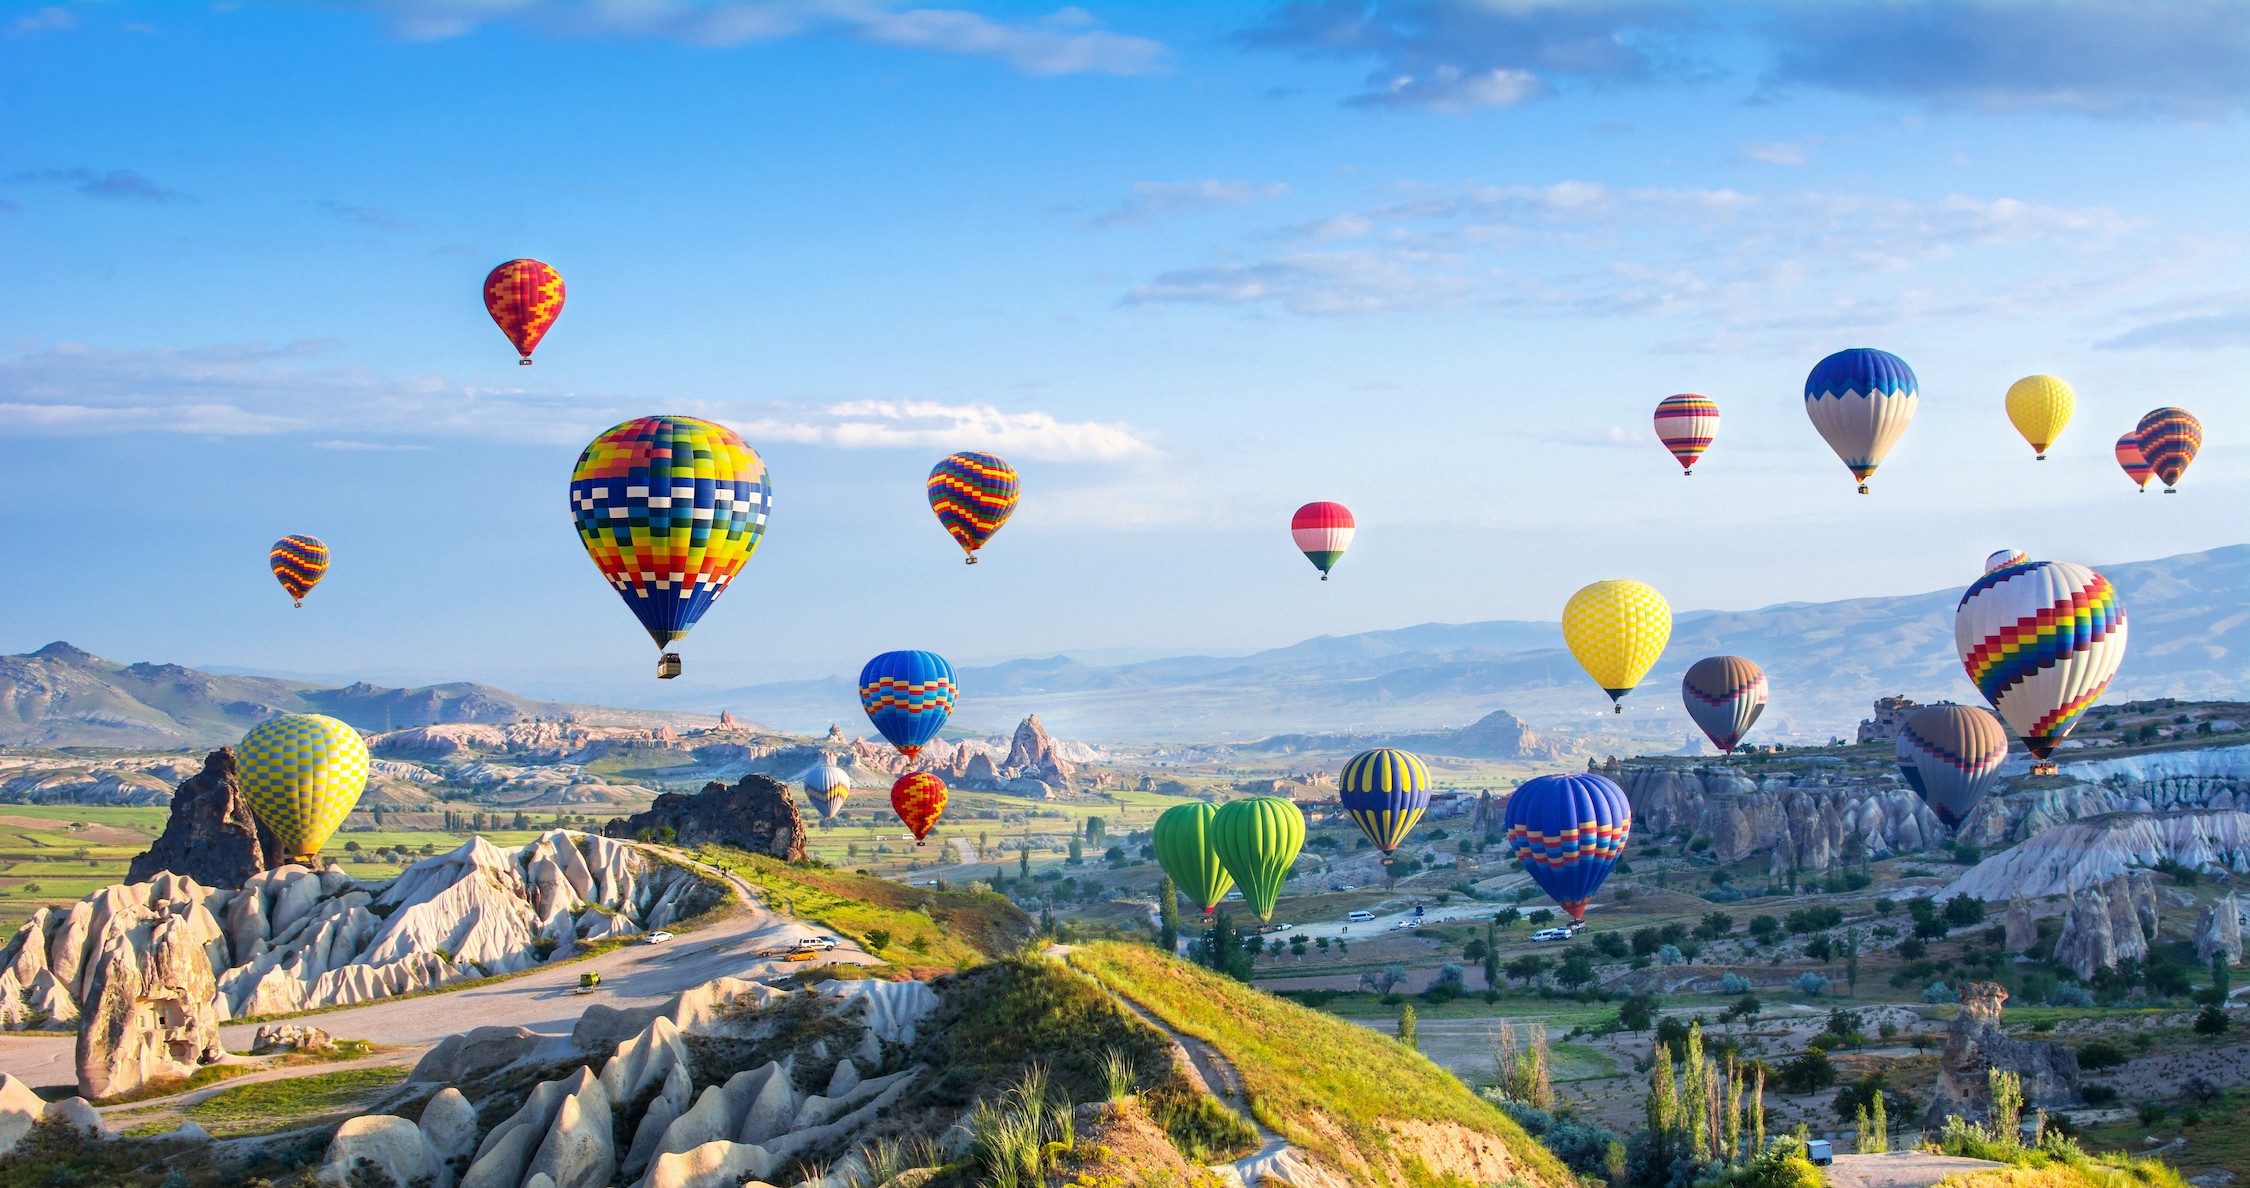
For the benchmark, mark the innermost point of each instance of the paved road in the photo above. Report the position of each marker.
(1899, 1169)
(542, 1000)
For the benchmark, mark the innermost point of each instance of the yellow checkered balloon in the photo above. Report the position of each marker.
(302, 773)
(2040, 405)
(1617, 629)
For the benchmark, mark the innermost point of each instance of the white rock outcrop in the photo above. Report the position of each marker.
(1810, 822)
(149, 994)
(2218, 931)
(2071, 857)
(21, 1109)
(391, 1146)
(2108, 924)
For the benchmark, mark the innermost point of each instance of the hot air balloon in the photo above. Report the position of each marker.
(2129, 458)
(301, 773)
(1385, 792)
(972, 494)
(908, 695)
(669, 508)
(298, 563)
(1861, 401)
(1183, 848)
(2168, 439)
(1908, 769)
(1725, 695)
(1257, 840)
(1323, 531)
(1568, 831)
(2040, 641)
(2039, 406)
(1685, 424)
(524, 298)
(1617, 629)
(2003, 558)
(1954, 751)
(918, 798)
(826, 786)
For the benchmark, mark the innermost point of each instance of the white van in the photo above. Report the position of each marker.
(1360, 917)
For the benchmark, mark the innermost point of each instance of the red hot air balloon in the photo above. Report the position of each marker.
(919, 799)
(1685, 424)
(2129, 457)
(524, 298)
(1323, 530)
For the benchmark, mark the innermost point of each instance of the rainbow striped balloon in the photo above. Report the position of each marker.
(1568, 831)
(1685, 424)
(298, 563)
(2041, 641)
(2169, 438)
(2003, 558)
(908, 695)
(1385, 792)
(973, 495)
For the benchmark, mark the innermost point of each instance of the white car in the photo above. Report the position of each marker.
(819, 942)
(1551, 934)
(659, 937)
(1359, 917)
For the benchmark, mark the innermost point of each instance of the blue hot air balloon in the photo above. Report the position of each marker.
(908, 696)
(1568, 831)
(1385, 792)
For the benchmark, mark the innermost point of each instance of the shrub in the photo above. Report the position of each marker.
(1938, 992)
(1809, 1072)
(1734, 983)
(2070, 994)
(2100, 1095)
(1811, 984)
(2211, 1021)
(2096, 1055)
(1670, 955)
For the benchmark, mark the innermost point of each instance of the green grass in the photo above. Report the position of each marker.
(924, 928)
(202, 1078)
(2219, 1139)
(276, 1105)
(1300, 1066)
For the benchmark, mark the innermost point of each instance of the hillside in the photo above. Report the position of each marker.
(1827, 662)
(62, 696)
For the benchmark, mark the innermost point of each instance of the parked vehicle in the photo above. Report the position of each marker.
(658, 937)
(1359, 916)
(1820, 1151)
(1551, 934)
(587, 982)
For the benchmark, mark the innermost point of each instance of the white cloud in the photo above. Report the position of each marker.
(1065, 41)
(1452, 90)
(73, 390)
(1151, 200)
(46, 19)
(1783, 152)
(1313, 283)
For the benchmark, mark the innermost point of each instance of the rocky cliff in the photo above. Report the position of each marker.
(759, 814)
(292, 939)
(151, 1002)
(2076, 855)
(1811, 821)
(2151, 782)
(2108, 924)
(211, 836)
(1976, 1044)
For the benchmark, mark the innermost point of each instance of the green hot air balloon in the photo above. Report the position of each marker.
(1257, 839)
(1183, 846)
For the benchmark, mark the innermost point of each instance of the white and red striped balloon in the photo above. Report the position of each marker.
(1323, 530)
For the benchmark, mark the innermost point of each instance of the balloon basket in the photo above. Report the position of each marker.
(1324, 577)
(1863, 488)
(299, 604)
(2171, 490)
(668, 666)
(971, 560)
(2045, 767)
(2039, 457)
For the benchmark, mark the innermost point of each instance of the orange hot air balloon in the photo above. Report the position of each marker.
(524, 298)
(919, 799)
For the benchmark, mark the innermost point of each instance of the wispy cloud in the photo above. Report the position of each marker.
(1066, 41)
(1779, 152)
(73, 390)
(2174, 59)
(117, 185)
(1153, 200)
(46, 20)
(2226, 326)
(365, 216)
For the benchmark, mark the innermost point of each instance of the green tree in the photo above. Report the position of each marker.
(1167, 916)
(1637, 1012)
(1023, 861)
(1406, 1031)
(1077, 852)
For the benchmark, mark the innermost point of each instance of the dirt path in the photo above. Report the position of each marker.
(1898, 1169)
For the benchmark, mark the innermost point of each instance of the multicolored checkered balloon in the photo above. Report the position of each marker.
(302, 773)
(973, 495)
(670, 509)
(524, 298)
(298, 563)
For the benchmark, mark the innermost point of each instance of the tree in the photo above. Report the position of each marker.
(1810, 1072)
(2221, 980)
(2211, 1020)
(1714, 926)
(1167, 916)
(1637, 1012)
(1577, 968)
(1096, 830)
(1646, 942)
(1527, 967)
(1474, 951)
(1763, 928)
(1023, 861)
(1745, 1009)
(351, 847)
(1540, 918)
(1506, 917)
(1962, 911)
(1406, 1033)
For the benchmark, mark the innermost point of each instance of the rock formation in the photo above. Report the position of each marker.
(1890, 717)
(21, 1108)
(2108, 924)
(1976, 1044)
(1806, 821)
(2218, 932)
(1498, 735)
(2071, 857)
(2022, 930)
(211, 836)
(2153, 782)
(293, 939)
(1033, 753)
(759, 814)
(148, 989)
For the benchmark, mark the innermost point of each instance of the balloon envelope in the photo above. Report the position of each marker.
(1257, 840)
(2040, 641)
(908, 695)
(1725, 695)
(2039, 406)
(1184, 850)
(524, 298)
(1617, 629)
(2169, 438)
(1686, 424)
(1385, 792)
(918, 798)
(1323, 531)
(827, 786)
(298, 563)
(302, 773)
(2003, 558)
(1908, 769)
(1861, 400)
(2129, 458)
(1955, 751)
(670, 509)
(1568, 831)
(973, 495)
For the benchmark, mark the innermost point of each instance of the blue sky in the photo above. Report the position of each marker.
(1188, 266)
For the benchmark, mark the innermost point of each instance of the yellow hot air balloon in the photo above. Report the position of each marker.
(302, 773)
(1617, 629)
(2040, 405)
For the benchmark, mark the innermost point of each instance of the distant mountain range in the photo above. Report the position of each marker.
(2189, 615)
(62, 696)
